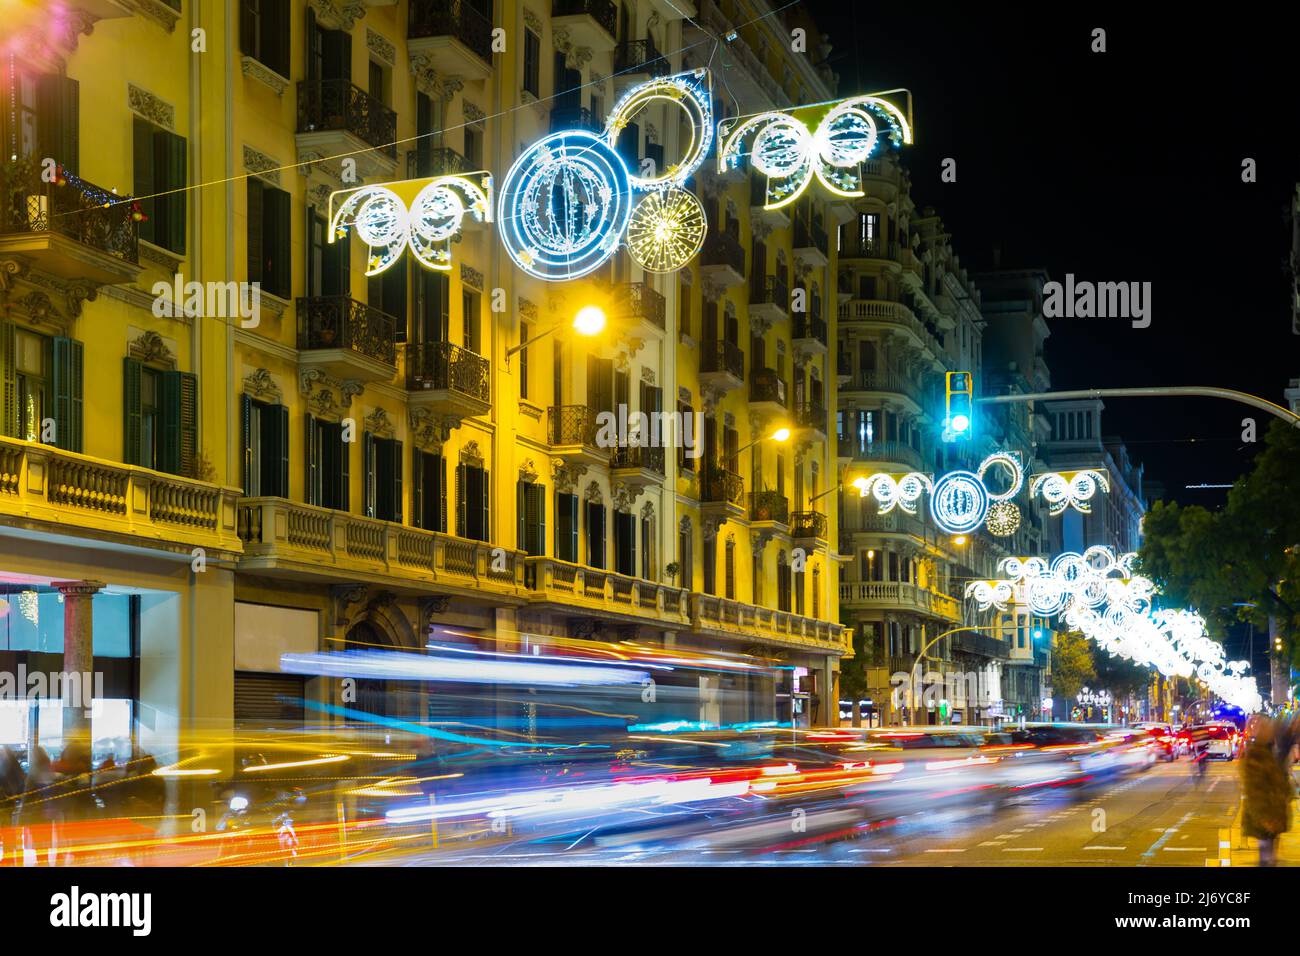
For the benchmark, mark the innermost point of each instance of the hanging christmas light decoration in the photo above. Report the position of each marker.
(824, 141)
(904, 491)
(1003, 519)
(987, 594)
(423, 215)
(666, 230)
(960, 500)
(1070, 489)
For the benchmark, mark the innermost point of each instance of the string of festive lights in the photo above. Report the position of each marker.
(1071, 489)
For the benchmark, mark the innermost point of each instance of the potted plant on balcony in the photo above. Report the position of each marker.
(672, 569)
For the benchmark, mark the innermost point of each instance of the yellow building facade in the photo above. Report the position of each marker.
(387, 460)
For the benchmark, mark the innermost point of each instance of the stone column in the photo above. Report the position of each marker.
(78, 658)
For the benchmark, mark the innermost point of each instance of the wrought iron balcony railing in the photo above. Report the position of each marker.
(451, 18)
(637, 300)
(571, 425)
(340, 322)
(810, 415)
(602, 11)
(855, 247)
(808, 524)
(769, 506)
(766, 386)
(854, 447)
(640, 56)
(648, 457)
(809, 233)
(810, 326)
(575, 117)
(769, 290)
(722, 249)
(441, 365)
(342, 105)
(435, 161)
(721, 485)
(722, 357)
(77, 209)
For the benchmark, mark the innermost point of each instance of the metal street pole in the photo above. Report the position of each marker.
(1158, 391)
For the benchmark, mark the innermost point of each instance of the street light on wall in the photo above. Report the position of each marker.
(590, 320)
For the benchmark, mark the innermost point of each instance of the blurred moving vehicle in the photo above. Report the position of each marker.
(1169, 745)
(1099, 750)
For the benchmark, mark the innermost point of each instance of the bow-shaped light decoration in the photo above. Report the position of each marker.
(1069, 489)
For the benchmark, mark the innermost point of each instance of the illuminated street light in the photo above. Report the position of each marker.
(590, 320)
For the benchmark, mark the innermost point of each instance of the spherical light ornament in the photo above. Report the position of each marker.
(381, 222)
(959, 502)
(666, 230)
(1003, 519)
(564, 205)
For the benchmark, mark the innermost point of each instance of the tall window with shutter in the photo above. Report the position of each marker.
(160, 409)
(625, 543)
(566, 527)
(429, 491)
(264, 32)
(531, 505)
(270, 257)
(264, 429)
(473, 502)
(158, 159)
(328, 464)
(383, 477)
(42, 378)
(595, 534)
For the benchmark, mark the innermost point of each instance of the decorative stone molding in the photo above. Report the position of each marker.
(319, 388)
(471, 277)
(528, 471)
(151, 348)
(728, 420)
(318, 195)
(380, 47)
(528, 310)
(379, 424)
(709, 528)
(160, 13)
(261, 165)
(575, 57)
(431, 606)
(624, 497)
(684, 525)
(430, 431)
(592, 494)
(683, 395)
(430, 82)
(473, 115)
(255, 69)
(261, 385)
(648, 511)
(532, 21)
(338, 14)
(647, 375)
(150, 107)
(565, 476)
(470, 453)
(343, 597)
(10, 270)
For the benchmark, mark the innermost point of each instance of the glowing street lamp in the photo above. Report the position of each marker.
(588, 321)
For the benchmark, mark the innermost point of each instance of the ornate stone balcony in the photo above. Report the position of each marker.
(611, 595)
(722, 366)
(589, 23)
(347, 338)
(337, 118)
(289, 539)
(717, 617)
(448, 379)
(901, 596)
(449, 37)
(46, 489)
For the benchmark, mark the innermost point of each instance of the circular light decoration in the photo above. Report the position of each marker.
(564, 205)
(688, 91)
(904, 492)
(666, 230)
(1071, 489)
(435, 217)
(959, 502)
(1010, 463)
(987, 594)
(1003, 519)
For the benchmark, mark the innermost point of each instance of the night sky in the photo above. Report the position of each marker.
(1120, 166)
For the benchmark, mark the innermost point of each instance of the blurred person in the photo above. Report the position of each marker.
(38, 815)
(1266, 791)
(11, 790)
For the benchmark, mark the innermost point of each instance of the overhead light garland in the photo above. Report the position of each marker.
(1070, 489)
(434, 217)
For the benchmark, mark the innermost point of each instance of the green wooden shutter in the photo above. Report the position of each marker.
(442, 494)
(255, 217)
(344, 472)
(487, 507)
(9, 377)
(275, 20)
(188, 415)
(169, 151)
(521, 496)
(143, 161)
(395, 451)
(58, 120)
(68, 404)
(246, 442)
(282, 489)
(312, 447)
(133, 452)
(248, 17)
(279, 256)
(169, 451)
(462, 512)
(368, 474)
(417, 488)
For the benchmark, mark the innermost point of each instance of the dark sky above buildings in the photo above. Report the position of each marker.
(1116, 166)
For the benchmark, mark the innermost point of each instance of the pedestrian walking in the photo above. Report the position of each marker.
(1267, 792)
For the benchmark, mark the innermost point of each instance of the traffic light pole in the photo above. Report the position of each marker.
(1159, 391)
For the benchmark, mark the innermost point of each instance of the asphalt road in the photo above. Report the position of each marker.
(1163, 816)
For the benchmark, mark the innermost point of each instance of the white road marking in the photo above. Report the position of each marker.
(1183, 849)
(1022, 849)
(961, 850)
(1116, 848)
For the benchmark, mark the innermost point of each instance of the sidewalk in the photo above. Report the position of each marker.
(1237, 849)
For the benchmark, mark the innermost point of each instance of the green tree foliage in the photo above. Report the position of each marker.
(1248, 552)
(1072, 665)
(1120, 676)
(853, 671)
